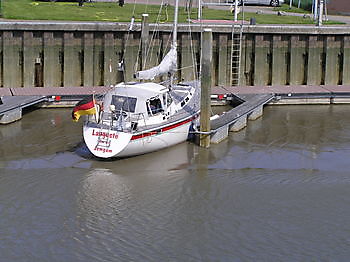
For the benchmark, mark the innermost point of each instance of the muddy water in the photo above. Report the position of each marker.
(276, 191)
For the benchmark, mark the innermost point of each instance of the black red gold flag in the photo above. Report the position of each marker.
(84, 107)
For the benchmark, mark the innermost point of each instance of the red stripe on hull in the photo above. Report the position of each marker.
(164, 129)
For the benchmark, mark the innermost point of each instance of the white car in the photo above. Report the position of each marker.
(259, 2)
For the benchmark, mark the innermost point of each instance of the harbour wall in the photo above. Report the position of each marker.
(55, 54)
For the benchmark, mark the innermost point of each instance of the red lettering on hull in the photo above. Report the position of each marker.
(103, 150)
(104, 135)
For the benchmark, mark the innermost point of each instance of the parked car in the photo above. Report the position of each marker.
(258, 2)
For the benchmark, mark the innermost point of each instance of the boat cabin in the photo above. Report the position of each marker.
(144, 101)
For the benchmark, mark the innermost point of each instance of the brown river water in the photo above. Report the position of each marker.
(279, 190)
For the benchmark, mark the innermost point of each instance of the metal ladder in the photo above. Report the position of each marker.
(236, 48)
(103, 141)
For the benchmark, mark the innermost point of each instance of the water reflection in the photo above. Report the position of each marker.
(59, 160)
(39, 133)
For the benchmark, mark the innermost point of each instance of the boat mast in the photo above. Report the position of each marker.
(175, 23)
(174, 44)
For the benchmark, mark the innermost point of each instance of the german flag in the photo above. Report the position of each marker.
(84, 107)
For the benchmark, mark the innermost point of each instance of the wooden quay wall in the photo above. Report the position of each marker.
(73, 54)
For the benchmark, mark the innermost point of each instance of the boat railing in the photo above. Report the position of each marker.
(122, 121)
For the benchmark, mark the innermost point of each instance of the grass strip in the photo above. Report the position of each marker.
(112, 12)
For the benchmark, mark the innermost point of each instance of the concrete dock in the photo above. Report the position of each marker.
(14, 100)
(302, 94)
(252, 99)
(11, 106)
(250, 108)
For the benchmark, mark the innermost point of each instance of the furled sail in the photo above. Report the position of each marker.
(168, 65)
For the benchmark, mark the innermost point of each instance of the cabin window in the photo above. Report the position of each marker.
(154, 106)
(124, 103)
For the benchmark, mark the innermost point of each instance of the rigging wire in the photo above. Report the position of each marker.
(152, 40)
(150, 44)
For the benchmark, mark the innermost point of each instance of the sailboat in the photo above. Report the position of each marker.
(141, 117)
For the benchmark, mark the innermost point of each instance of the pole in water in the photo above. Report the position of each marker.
(206, 63)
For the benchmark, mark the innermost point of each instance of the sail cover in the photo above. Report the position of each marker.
(168, 65)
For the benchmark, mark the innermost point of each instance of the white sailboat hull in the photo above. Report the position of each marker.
(156, 142)
(121, 144)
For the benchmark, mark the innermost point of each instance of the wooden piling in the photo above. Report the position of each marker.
(206, 64)
(333, 46)
(33, 55)
(346, 61)
(262, 60)
(98, 59)
(247, 60)
(53, 59)
(12, 48)
(119, 56)
(297, 60)
(131, 49)
(315, 51)
(88, 66)
(71, 68)
(110, 58)
(223, 60)
(187, 58)
(279, 55)
(28, 59)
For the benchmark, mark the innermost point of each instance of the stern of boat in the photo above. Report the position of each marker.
(103, 142)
